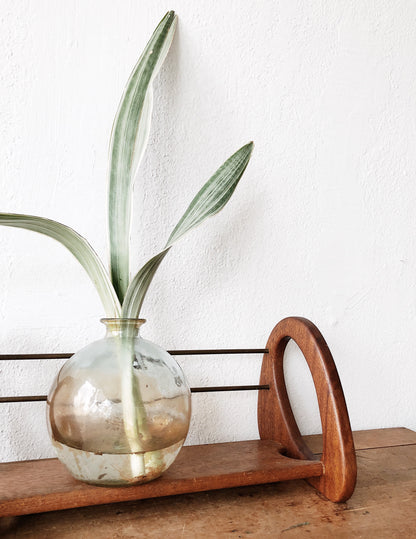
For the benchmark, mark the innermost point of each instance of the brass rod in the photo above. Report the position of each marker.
(229, 388)
(32, 398)
(21, 357)
(37, 398)
(219, 351)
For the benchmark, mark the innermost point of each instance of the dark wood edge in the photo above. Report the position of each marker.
(275, 416)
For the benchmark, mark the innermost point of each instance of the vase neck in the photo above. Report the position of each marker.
(123, 327)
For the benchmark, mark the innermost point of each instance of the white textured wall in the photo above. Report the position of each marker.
(322, 225)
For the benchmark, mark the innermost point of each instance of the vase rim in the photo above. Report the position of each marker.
(120, 321)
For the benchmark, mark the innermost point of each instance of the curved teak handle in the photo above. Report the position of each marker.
(275, 416)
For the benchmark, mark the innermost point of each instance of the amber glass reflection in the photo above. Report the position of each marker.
(119, 409)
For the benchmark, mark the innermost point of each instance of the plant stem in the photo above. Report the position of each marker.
(134, 414)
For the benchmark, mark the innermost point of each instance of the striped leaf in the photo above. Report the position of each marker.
(210, 200)
(78, 246)
(128, 141)
(215, 194)
(138, 287)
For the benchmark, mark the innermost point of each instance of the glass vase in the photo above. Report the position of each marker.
(119, 409)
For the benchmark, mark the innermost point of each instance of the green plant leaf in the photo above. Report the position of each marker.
(78, 246)
(128, 141)
(138, 287)
(210, 200)
(215, 194)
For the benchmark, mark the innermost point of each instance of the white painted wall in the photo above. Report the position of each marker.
(322, 225)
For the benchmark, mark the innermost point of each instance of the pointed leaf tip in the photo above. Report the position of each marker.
(129, 137)
(169, 18)
(209, 200)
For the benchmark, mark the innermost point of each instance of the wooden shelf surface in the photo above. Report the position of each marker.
(382, 506)
(45, 485)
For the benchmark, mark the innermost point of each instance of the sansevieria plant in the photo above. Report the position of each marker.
(122, 296)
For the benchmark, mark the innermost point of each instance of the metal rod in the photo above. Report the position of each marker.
(228, 388)
(21, 357)
(37, 398)
(217, 352)
(32, 398)
(225, 351)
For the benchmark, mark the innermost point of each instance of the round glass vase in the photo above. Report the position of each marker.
(119, 409)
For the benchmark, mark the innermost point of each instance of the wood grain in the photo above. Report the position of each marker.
(369, 439)
(277, 422)
(382, 507)
(45, 485)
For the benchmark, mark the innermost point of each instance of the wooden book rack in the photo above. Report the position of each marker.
(280, 454)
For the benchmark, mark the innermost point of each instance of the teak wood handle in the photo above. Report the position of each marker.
(275, 416)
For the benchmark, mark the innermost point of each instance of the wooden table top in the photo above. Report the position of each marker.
(383, 505)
